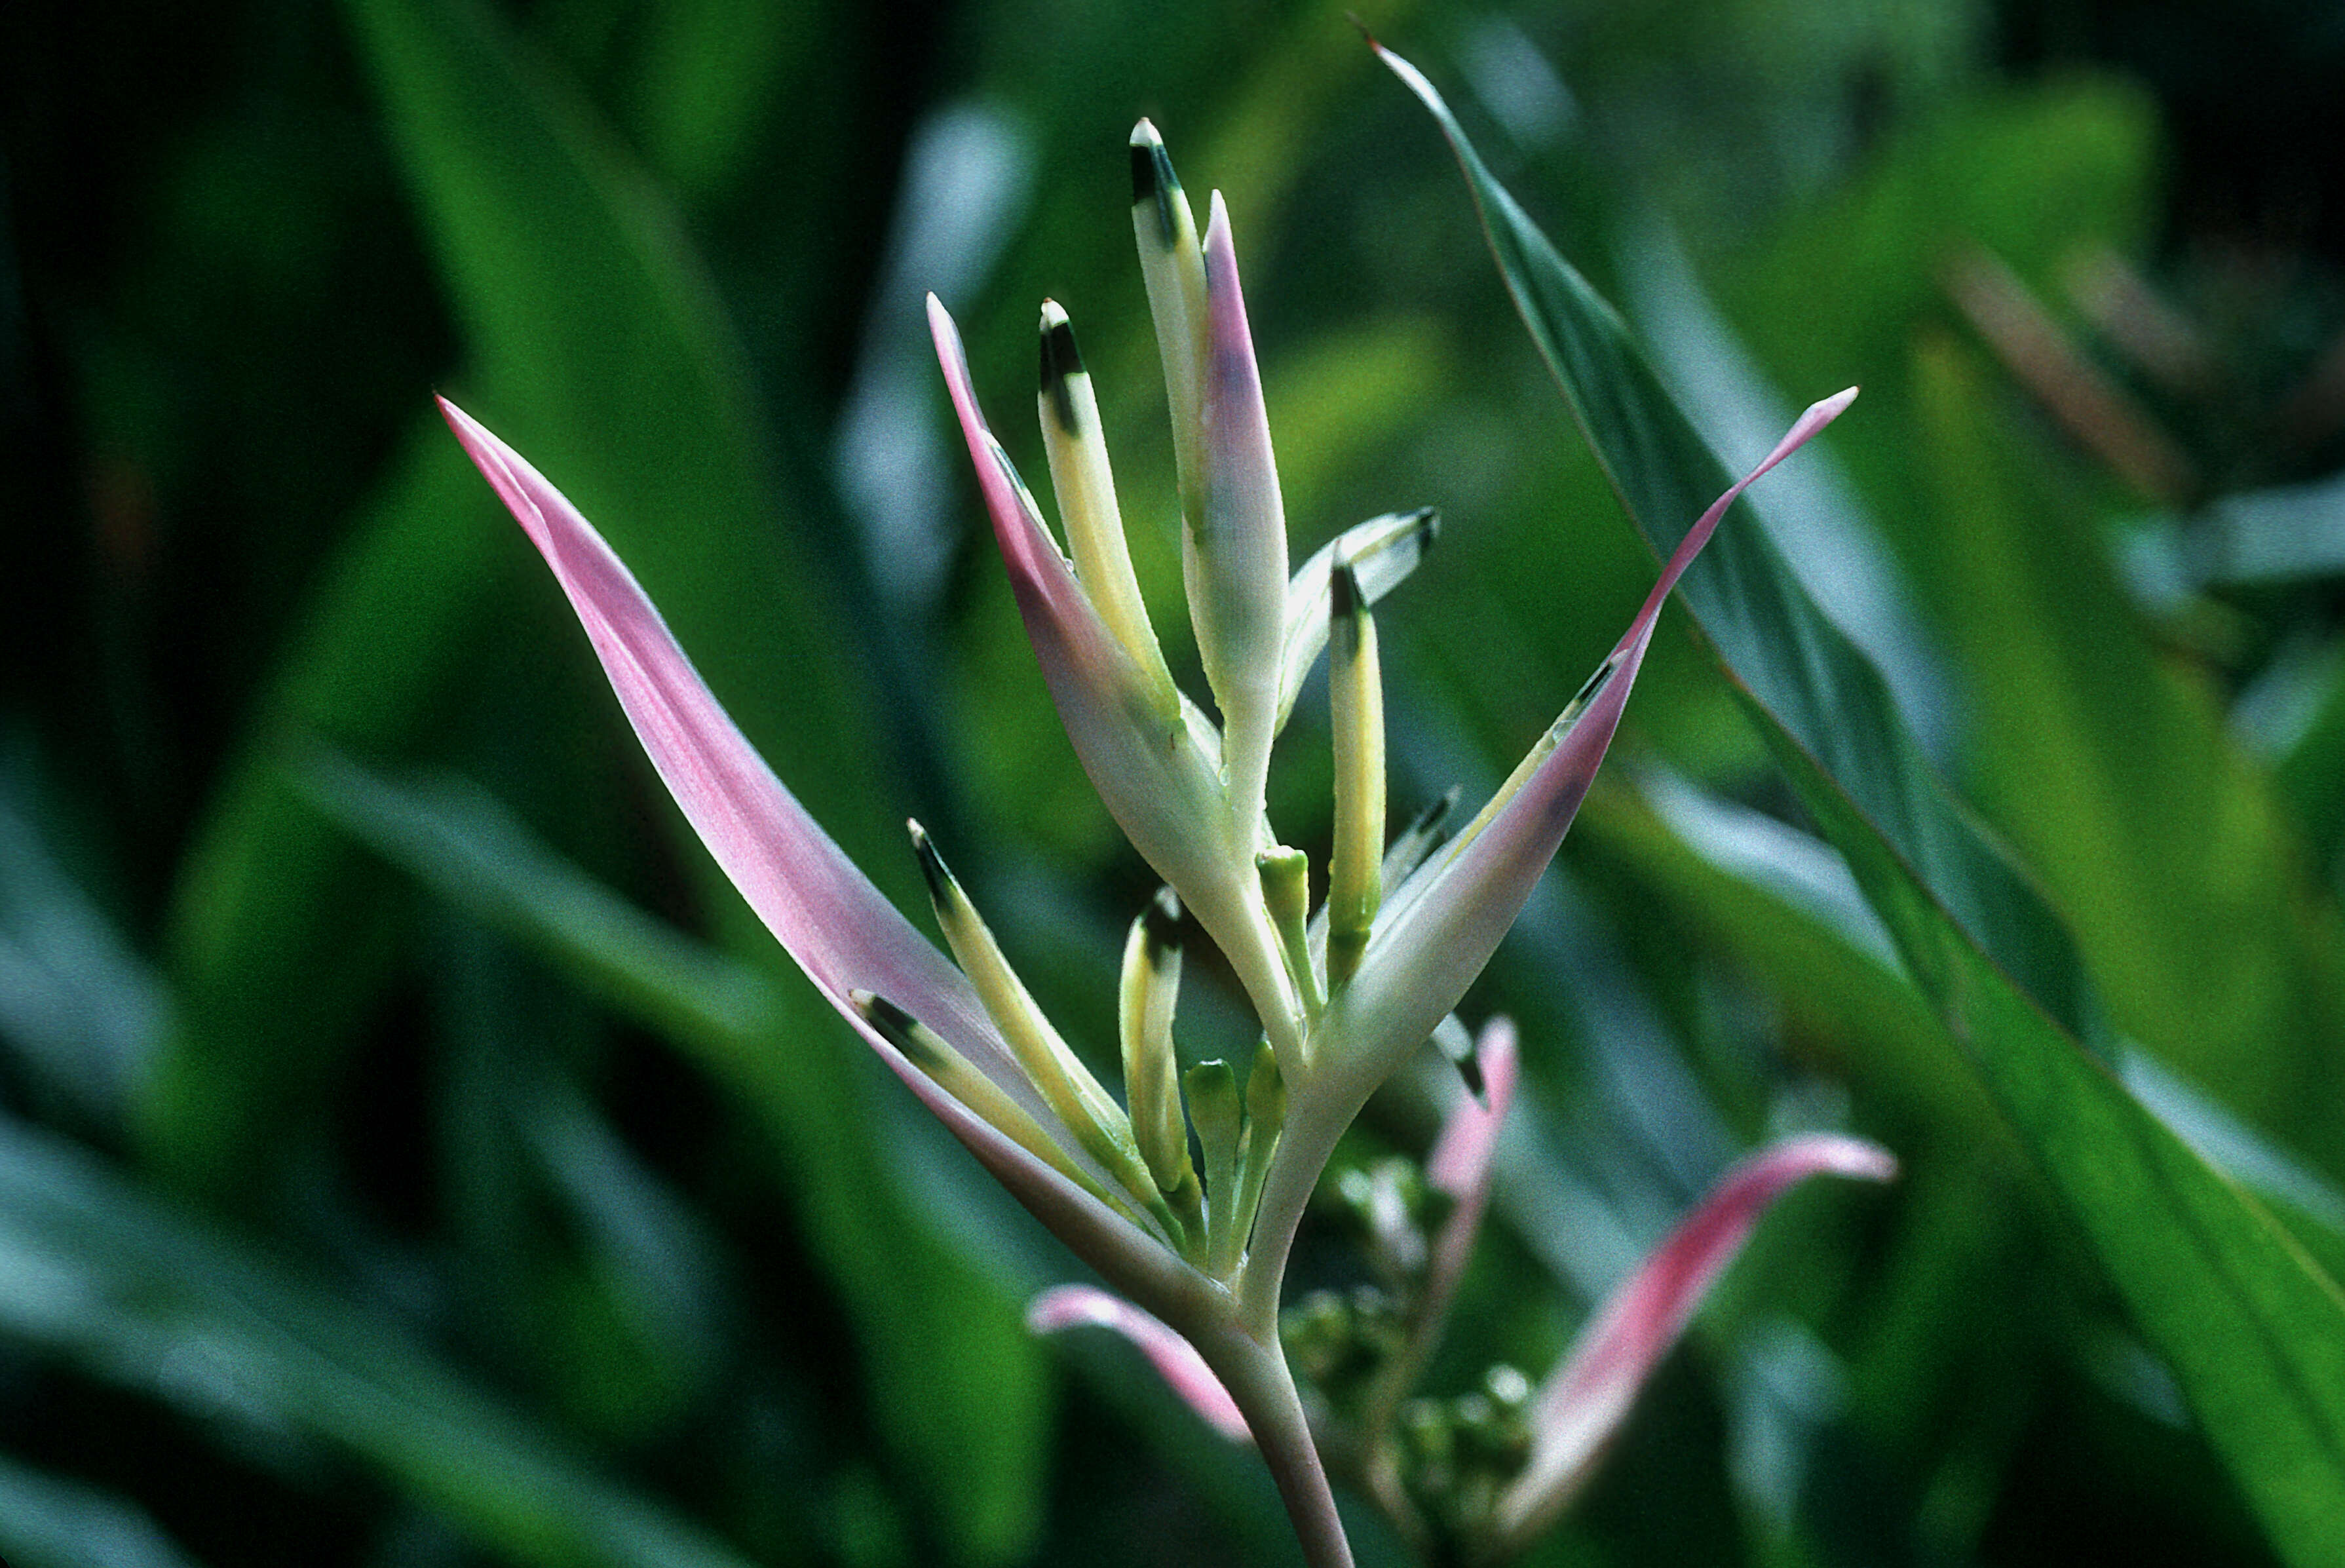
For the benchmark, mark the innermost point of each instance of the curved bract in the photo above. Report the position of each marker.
(1343, 998)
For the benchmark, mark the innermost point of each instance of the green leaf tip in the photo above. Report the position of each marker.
(1343, 590)
(932, 864)
(1152, 181)
(901, 1030)
(1061, 363)
(1161, 919)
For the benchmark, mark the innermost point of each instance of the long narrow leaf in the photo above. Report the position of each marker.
(50, 1522)
(590, 330)
(1819, 690)
(140, 1296)
(2111, 765)
(2254, 1332)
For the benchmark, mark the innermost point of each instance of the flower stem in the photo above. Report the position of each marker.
(1304, 1143)
(1257, 1377)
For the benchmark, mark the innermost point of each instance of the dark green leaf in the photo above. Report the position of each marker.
(2254, 1332)
(46, 1522)
(2113, 769)
(1819, 691)
(139, 1294)
(596, 346)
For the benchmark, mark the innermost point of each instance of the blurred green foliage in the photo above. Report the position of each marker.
(410, 1151)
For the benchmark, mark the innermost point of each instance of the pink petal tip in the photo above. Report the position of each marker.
(1585, 1400)
(1175, 1359)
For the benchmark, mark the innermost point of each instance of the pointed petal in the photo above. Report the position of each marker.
(1155, 776)
(1584, 1401)
(1356, 719)
(1175, 1359)
(1172, 264)
(1383, 552)
(1145, 1002)
(1440, 927)
(1076, 449)
(1159, 771)
(1237, 585)
(1065, 1084)
(843, 933)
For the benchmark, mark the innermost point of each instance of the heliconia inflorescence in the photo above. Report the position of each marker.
(1185, 1192)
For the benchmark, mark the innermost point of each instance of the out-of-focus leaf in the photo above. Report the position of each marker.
(1810, 507)
(2301, 1199)
(140, 1296)
(1757, 886)
(1743, 878)
(2035, 175)
(472, 851)
(2254, 1332)
(2281, 535)
(2117, 777)
(1815, 688)
(731, 1017)
(276, 933)
(655, 1276)
(77, 1003)
(47, 1522)
(707, 70)
(2310, 771)
(596, 341)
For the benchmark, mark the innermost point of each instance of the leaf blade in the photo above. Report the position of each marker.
(2254, 1331)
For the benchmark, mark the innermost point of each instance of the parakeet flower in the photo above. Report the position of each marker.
(1183, 1192)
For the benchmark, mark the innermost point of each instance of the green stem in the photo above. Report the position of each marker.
(1305, 1144)
(1257, 1375)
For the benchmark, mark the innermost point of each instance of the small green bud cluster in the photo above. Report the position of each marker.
(1341, 1341)
(1455, 1458)
(1440, 1465)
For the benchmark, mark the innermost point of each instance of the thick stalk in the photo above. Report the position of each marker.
(1256, 1376)
(1305, 1144)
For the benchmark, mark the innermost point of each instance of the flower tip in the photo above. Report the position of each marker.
(1061, 360)
(1217, 226)
(1819, 414)
(1343, 588)
(1162, 920)
(1854, 1158)
(911, 1039)
(1153, 180)
(952, 358)
(932, 864)
(471, 432)
(1823, 411)
(1804, 1155)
